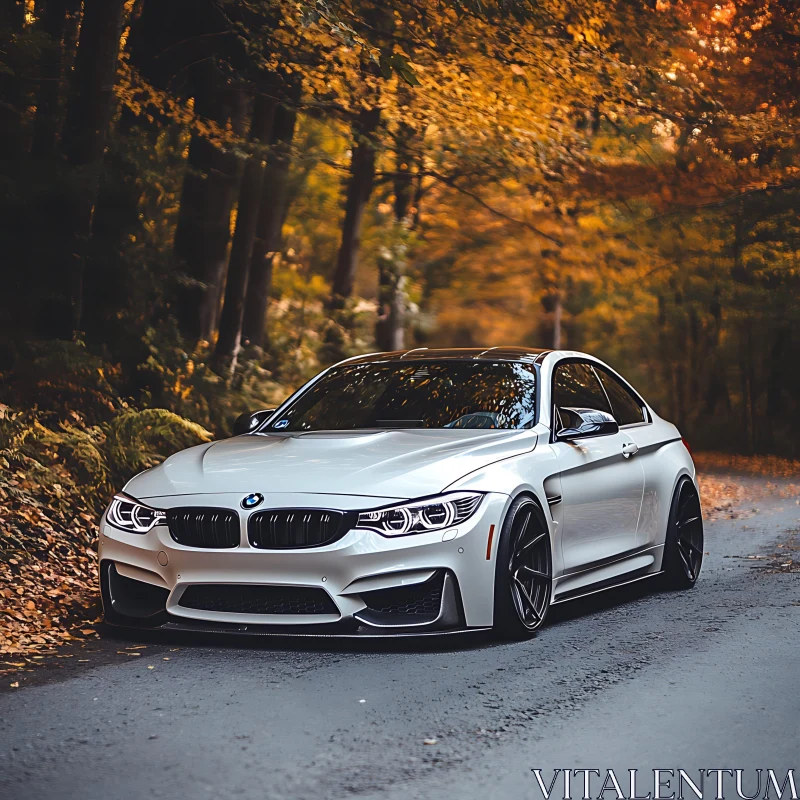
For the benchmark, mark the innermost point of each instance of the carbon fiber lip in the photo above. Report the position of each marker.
(254, 630)
(294, 635)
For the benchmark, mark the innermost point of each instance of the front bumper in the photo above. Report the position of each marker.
(363, 584)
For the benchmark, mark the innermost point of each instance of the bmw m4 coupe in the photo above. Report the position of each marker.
(414, 492)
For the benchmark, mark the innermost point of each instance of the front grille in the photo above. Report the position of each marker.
(204, 527)
(422, 599)
(282, 528)
(249, 599)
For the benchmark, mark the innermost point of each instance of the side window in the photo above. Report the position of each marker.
(576, 386)
(625, 407)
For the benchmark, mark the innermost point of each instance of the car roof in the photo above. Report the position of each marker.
(528, 355)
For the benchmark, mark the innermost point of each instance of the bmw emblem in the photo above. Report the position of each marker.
(253, 500)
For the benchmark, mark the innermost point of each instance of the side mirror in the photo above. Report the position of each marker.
(581, 423)
(250, 420)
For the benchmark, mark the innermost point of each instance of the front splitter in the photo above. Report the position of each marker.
(229, 629)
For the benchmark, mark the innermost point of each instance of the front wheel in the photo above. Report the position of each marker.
(523, 572)
(683, 547)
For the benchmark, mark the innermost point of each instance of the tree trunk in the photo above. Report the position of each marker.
(390, 325)
(359, 189)
(746, 369)
(54, 17)
(693, 361)
(230, 324)
(404, 179)
(272, 213)
(746, 360)
(182, 39)
(679, 346)
(558, 309)
(776, 374)
(717, 392)
(83, 141)
(209, 189)
(665, 357)
(72, 28)
(12, 94)
(776, 380)
(92, 88)
(108, 279)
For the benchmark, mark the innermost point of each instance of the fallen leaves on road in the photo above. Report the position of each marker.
(726, 496)
(786, 559)
(722, 498)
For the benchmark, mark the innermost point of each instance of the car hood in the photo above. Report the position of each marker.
(381, 463)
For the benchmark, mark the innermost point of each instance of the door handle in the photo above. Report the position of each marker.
(629, 449)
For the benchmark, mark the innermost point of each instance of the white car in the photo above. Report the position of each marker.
(422, 491)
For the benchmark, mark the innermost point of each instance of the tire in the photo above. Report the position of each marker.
(523, 582)
(683, 546)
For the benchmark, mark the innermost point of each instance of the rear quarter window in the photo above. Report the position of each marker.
(624, 405)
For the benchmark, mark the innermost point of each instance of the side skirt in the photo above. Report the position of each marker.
(604, 586)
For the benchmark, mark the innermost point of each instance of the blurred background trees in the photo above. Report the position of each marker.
(202, 202)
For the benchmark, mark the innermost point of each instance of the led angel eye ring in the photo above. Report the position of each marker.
(427, 522)
(405, 522)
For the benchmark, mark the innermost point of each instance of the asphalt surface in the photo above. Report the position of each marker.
(641, 679)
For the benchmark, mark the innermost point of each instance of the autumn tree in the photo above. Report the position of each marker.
(216, 197)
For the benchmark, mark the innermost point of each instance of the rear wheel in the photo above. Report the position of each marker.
(523, 572)
(683, 548)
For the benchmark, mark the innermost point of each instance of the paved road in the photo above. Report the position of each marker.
(703, 679)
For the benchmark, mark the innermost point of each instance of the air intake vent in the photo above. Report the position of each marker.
(433, 603)
(215, 528)
(419, 599)
(250, 599)
(286, 528)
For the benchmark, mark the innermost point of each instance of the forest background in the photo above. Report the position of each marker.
(204, 202)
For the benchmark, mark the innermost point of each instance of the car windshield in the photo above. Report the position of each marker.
(439, 394)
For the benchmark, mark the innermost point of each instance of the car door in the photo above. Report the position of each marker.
(601, 481)
(632, 416)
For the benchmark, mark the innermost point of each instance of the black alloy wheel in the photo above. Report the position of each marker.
(683, 549)
(523, 571)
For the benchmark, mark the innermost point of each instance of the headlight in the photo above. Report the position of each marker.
(421, 516)
(128, 515)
